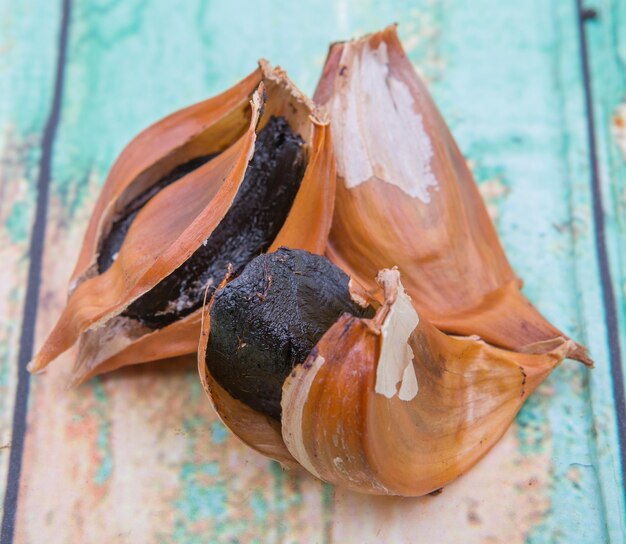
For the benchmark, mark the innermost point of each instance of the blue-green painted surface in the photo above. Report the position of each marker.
(508, 79)
(28, 38)
(516, 104)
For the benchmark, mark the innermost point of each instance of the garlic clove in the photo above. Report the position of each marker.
(257, 430)
(406, 198)
(391, 405)
(308, 224)
(208, 126)
(122, 343)
(180, 217)
(257, 327)
(159, 240)
(384, 403)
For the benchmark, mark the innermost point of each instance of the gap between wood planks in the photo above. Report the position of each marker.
(599, 219)
(36, 255)
(29, 316)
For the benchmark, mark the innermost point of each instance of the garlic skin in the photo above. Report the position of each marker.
(406, 198)
(163, 236)
(259, 431)
(340, 423)
(388, 405)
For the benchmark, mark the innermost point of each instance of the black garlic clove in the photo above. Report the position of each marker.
(268, 320)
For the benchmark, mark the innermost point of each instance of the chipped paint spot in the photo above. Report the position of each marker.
(103, 440)
(200, 500)
(259, 506)
(619, 127)
(219, 432)
(18, 170)
(493, 191)
(17, 223)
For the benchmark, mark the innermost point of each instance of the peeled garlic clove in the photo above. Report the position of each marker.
(174, 190)
(257, 430)
(406, 198)
(258, 327)
(391, 405)
(380, 402)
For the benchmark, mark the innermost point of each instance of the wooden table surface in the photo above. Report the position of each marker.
(535, 94)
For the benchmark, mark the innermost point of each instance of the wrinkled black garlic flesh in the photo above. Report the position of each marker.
(268, 319)
(257, 214)
(112, 242)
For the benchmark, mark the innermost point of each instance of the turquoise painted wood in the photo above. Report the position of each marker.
(607, 44)
(523, 123)
(139, 454)
(28, 47)
(608, 55)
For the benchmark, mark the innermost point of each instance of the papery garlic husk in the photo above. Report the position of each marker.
(393, 406)
(175, 222)
(257, 430)
(263, 287)
(406, 198)
(389, 405)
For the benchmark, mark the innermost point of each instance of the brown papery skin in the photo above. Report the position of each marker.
(173, 224)
(257, 430)
(341, 430)
(447, 249)
(157, 150)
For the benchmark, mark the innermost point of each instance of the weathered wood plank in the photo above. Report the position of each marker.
(607, 51)
(508, 78)
(606, 42)
(28, 49)
(139, 453)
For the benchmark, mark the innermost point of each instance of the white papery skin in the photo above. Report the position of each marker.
(352, 414)
(387, 142)
(396, 358)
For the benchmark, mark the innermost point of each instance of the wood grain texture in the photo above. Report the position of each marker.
(607, 45)
(606, 88)
(27, 68)
(607, 55)
(137, 456)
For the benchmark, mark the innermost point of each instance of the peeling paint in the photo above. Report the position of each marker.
(139, 453)
(476, 508)
(493, 191)
(219, 433)
(619, 127)
(18, 168)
